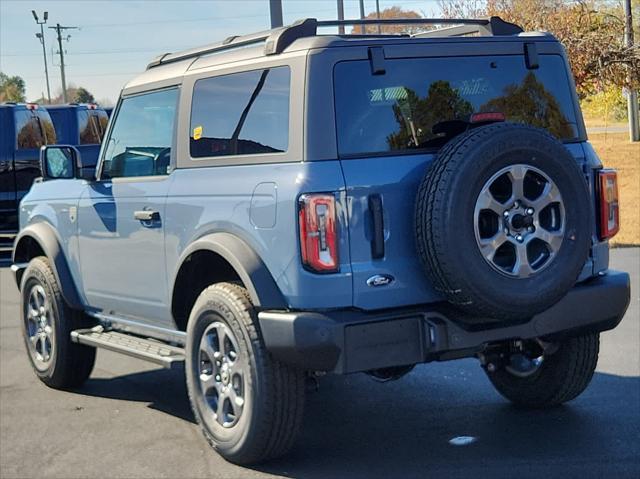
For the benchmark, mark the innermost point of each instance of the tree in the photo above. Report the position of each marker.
(390, 13)
(11, 88)
(592, 31)
(83, 96)
(75, 95)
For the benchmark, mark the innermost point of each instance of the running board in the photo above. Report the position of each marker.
(135, 346)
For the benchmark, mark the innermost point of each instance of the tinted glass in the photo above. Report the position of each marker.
(89, 132)
(140, 141)
(241, 114)
(102, 119)
(46, 126)
(29, 133)
(422, 103)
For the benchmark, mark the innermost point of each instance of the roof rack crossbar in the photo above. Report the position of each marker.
(278, 39)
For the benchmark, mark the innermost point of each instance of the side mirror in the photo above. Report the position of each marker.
(59, 162)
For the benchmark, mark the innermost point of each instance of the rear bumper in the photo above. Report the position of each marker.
(346, 341)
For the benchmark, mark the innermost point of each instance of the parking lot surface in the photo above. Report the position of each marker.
(132, 420)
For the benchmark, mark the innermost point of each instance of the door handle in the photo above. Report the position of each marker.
(146, 215)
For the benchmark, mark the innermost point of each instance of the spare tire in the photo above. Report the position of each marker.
(503, 221)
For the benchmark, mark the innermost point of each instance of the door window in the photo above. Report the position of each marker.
(241, 114)
(141, 137)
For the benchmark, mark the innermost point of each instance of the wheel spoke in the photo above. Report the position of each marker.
(237, 402)
(208, 348)
(222, 335)
(522, 268)
(489, 246)
(516, 175)
(220, 407)
(486, 201)
(552, 238)
(550, 194)
(208, 382)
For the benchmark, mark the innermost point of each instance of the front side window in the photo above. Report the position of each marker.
(241, 114)
(424, 102)
(141, 137)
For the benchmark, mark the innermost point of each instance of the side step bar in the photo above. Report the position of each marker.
(137, 347)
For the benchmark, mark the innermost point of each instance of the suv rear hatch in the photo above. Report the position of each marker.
(390, 124)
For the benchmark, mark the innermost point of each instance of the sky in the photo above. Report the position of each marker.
(116, 39)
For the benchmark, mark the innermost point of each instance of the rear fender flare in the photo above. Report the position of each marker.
(262, 288)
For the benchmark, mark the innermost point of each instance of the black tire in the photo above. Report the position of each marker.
(274, 392)
(70, 364)
(561, 377)
(445, 234)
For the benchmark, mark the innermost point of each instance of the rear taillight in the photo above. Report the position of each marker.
(486, 117)
(609, 206)
(318, 232)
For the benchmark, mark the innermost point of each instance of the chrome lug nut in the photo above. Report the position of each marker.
(516, 204)
(529, 211)
(506, 213)
(531, 229)
(519, 238)
(506, 231)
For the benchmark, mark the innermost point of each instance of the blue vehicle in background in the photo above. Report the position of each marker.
(24, 128)
(82, 125)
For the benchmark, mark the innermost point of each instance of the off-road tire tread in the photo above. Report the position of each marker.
(75, 362)
(562, 377)
(430, 241)
(283, 394)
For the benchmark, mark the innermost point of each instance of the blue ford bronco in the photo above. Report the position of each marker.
(287, 204)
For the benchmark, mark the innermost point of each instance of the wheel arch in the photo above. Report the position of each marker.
(40, 239)
(218, 257)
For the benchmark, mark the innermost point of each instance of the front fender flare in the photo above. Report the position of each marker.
(45, 236)
(261, 286)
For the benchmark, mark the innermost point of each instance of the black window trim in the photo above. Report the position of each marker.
(107, 138)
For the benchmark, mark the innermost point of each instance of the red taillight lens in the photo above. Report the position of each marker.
(487, 116)
(318, 233)
(609, 206)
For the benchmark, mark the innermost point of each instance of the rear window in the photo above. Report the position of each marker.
(419, 103)
(34, 128)
(92, 125)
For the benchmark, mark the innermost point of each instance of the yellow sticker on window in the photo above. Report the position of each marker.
(197, 132)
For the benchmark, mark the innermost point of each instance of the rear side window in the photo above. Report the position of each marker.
(241, 114)
(34, 129)
(141, 137)
(92, 125)
(420, 103)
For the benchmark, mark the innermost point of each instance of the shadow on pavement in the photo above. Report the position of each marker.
(163, 389)
(364, 429)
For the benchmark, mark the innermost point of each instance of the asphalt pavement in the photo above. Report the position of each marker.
(132, 420)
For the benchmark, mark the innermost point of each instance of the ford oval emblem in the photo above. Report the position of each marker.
(378, 280)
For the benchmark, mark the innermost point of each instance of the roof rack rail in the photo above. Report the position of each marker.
(277, 39)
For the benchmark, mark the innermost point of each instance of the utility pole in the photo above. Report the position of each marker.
(378, 15)
(59, 29)
(275, 9)
(632, 94)
(44, 50)
(362, 15)
(340, 16)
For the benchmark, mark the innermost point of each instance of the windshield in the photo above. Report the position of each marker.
(420, 102)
